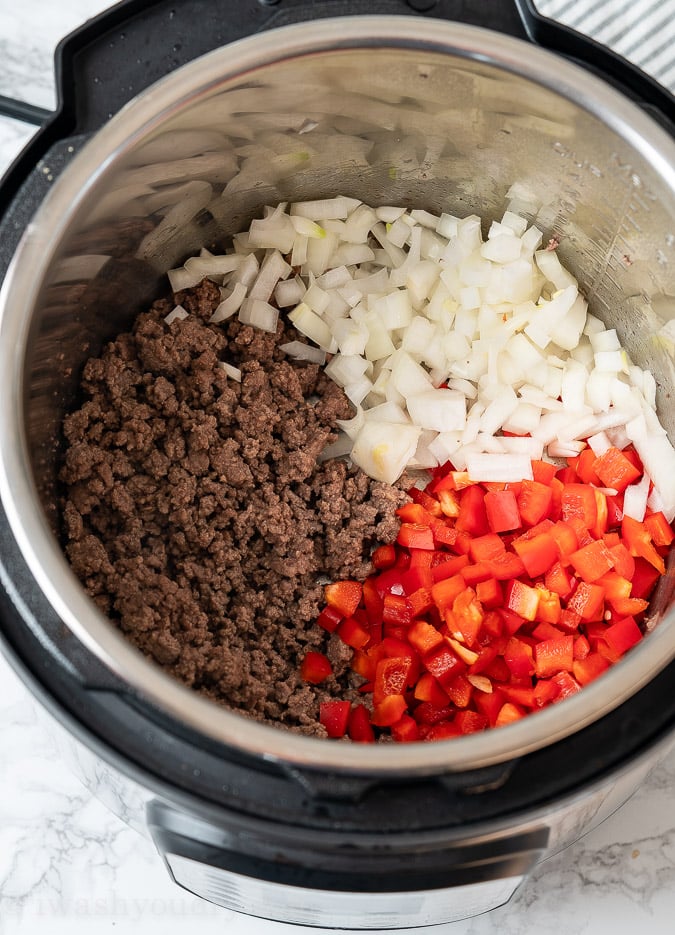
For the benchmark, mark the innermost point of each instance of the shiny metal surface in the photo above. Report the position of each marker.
(390, 110)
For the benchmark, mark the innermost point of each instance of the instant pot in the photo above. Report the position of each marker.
(439, 105)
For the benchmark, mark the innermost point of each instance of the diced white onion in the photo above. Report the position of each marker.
(176, 314)
(299, 351)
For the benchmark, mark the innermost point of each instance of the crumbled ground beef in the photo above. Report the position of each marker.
(197, 516)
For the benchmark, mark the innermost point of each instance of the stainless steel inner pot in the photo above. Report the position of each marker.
(392, 110)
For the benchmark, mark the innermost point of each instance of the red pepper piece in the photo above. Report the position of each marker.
(470, 722)
(443, 664)
(615, 470)
(445, 731)
(614, 586)
(358, 726)
(488, 547)
(534, 502)
(473, 574)
(373, 601)
(587, 601)
(659, 529)
(397, 610)
(501, 508)
(444, 592)
(415, 536)
(589, 668)
(417, 576)
(448, 568)
(427, 713)
(581, 647)
(420, 602)
(329, 618)
(512, 621)
(622, 635)
(390, 710)
(472, 516)
(506, 566)
(567, 685)
(424, 637)
(344, 596)
(459, 691)
(566, 539)
(545, 692)
(592, 561)
(383, 557)
(428, 689)
(569, 620)
(629, 606)
(489, 593)
(551, 656)
(518, 657)
(578, 502)
(430, 504)
(490, 704)
(389, 581)
(584, 465)
(334, 715)
(405, 730)
(391, 677)
(315, 667)
(543, 472)
(644, 578)
(521, 599)
(537, 554)
(549, 609)
(353, 634)
(639, 542)
(623, 561)
(414, 513)
(448, 502)
(444, 534)
(558, 580)
(509, 713)
(520, 694)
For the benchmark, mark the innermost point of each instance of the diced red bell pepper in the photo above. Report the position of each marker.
(473, 574)
(587, 601)
(489, 593)
(549, 608)
(521, 599)
(629, 606)
(417, 576)
(429, 689)
(396, 609)
(467, 616)
(448, 567)
(615, 470)
(545, 692)
(459, 691)
(485, 548)
(383, 557)
(558, 580)
(506, 566)
(501, 508)
(565, 539)
(543, 472)
(644, 578)
(353, 634)
(358, 726)
(420, 602)
(567, 685)
(344, 596)
(391, 677)
(424, 637)
(578, 502)
(592, 561)
(430, 504)
(390, 710)
(614, 586)
(639, 542)
(329, 618)
(444, 592)
(415, 536)
(414, 514)
(519, 659)
(443, 664)
(405, 730)
(512, 621)
(534, 501)
(448, 502)
(373, 601)
(623, 561)
(547, 631)
(581, 647)
(315, 667)
(334, 715)
(589, 668)
(490, 704)
(622, 635)
(552, 656)
(470, 722)
(584, 466)
(472, 516)
(445, 731)
(509, 713)
(659, 529)
(537, 554)
(427, 713)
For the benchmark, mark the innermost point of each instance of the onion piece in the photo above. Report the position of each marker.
(502, 468)
(299, 351)
(383, 449)
(178, 313)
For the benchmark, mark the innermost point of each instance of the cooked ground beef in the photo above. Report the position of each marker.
(197, 516)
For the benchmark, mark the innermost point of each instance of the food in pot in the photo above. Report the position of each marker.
(207, 499)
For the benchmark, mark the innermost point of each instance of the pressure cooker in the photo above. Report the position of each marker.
(154, 99)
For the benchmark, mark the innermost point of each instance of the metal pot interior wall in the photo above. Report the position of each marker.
(450, 124)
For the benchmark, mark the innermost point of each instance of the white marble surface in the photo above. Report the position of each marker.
(68, 866)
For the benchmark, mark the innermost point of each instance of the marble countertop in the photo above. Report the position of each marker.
(67, 865)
